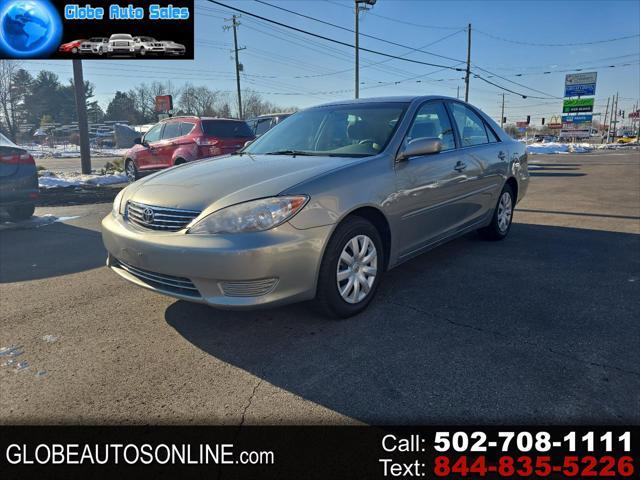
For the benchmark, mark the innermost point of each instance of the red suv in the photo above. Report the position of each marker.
(182, 139)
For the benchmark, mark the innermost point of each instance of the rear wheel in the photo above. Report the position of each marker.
(131, 170)
(21, 212)
(142, 52)
(500, 224)
(351, 268)
(74, 50)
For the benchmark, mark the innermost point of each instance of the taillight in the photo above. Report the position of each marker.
(206, 141)
(24, 159)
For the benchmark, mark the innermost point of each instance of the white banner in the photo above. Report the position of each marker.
(580, 78)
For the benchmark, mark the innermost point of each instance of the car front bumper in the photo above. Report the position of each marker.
(241, 271)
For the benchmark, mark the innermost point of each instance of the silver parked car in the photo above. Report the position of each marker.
(319, 206)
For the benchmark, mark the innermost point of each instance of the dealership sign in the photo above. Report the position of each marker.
(580, 84)
(577, 105)
(576, 133)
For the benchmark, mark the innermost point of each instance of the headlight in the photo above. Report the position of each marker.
(253, 216)
(115, 210)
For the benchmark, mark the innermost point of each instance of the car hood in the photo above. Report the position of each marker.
(218, 182)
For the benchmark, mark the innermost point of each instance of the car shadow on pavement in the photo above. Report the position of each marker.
(33, 250)
(541, 327)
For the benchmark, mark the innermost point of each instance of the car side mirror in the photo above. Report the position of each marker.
(137, 141)
(247, 143)
(420, 146)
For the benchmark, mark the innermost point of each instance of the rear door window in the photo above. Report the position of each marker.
(470, 126)
(171, 130)
(186, 127)
(226, 129)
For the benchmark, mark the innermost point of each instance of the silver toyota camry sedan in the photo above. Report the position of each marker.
(320, 206)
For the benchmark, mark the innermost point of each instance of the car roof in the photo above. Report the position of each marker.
(195, 117)
(396, 99)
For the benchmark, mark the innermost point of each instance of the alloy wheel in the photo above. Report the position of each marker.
(131, 171)
(505, 210)
(357, 269)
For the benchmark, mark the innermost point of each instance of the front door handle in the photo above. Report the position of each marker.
(460, 166)
(502, 155)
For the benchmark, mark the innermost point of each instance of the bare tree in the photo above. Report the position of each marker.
(8, 100)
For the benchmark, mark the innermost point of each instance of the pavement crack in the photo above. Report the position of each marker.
(249, 402)
(522, 341)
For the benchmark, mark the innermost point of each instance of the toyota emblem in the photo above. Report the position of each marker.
(147, 215)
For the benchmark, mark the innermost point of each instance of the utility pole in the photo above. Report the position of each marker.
(502, 115)
(357, 50)
(466, 79)
(235, 24)
(370, 3)
(604, 122)
(458, 93)
(81, 109)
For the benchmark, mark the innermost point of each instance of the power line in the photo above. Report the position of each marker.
(361, 34)
(290, 27)
(404, 22)
(574, 44)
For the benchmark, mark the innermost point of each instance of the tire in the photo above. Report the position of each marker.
(500, 224)
(100, 51)
(21, 212)
(351, 302)
(131, 170)
(142, 52)
(74, 50)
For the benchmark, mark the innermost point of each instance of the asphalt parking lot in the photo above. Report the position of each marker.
(542, 327)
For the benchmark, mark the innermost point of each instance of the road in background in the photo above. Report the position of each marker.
(539, 328)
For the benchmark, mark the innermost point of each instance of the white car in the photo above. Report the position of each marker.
(173, 48)
(97, 45)
(121, 44)
(147, 45)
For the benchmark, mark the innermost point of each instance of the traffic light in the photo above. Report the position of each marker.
(542, 120)
(528, 119)
(504, 119)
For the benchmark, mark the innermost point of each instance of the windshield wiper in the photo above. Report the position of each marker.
(291, 152)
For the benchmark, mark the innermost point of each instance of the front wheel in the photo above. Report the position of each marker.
(351, 268)
(131, 170)
(21, 212)
(500, 224)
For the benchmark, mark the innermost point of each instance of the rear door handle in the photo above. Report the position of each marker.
(460, 166)
(502, 155)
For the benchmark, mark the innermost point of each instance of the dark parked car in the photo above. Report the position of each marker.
(264, 123)
(179, 140)
(18, 180)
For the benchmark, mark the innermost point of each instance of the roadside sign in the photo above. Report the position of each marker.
(580, 78)
(521, 124)
(164, 103)
(554, 125)
(635, 114)
(580, 90)
(576, 133)
(522, 129)
(576, 119)
(577, 105)
(580, 84)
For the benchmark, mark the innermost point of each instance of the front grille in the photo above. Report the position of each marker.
(120, 44)
(160, 281)
(159, 218)
(248, 288)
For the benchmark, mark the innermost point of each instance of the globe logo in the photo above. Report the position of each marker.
(29, 28)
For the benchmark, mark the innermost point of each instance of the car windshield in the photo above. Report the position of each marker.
(120, 37)
(226, 129)
(146, 39)
(351, 130)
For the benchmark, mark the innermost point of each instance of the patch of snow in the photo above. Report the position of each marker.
(554, 147)
(49, 179)
(69, 151)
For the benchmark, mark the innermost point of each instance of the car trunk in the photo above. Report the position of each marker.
(11, 156)
(227, 136)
